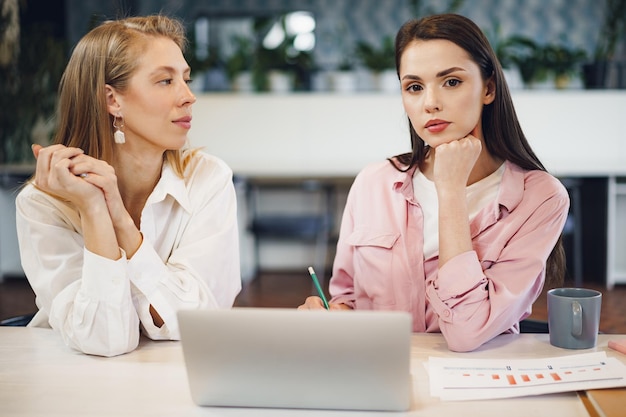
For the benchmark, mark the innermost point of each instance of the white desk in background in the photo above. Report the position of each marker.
(40, 376)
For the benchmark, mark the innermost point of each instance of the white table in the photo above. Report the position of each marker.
(40, 376)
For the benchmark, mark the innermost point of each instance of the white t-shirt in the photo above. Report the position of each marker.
(479, 195)
(189, 258)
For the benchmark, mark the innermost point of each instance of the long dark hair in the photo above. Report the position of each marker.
(503, 135)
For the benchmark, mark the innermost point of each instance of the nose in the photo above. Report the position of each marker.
(188, 97)
(431, 102)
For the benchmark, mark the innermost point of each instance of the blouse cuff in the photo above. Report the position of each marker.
(459, 276)
(105, 279)
(145, 268)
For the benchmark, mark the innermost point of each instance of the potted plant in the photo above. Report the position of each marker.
(206, 66)
(344, 79)
(340, 73)
(380, 60)
(536, 63)
(563, 63)
(239, 64)
(527, 56)
(500, 45)
(271, 71)
(280, 67)
(611, 31)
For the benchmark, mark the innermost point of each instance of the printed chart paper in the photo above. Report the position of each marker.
(471, 379)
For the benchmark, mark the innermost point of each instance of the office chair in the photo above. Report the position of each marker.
(18, 321)
(574, 228)
(313, 225)
(533, 326)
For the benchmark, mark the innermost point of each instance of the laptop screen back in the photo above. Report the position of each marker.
(283, 358)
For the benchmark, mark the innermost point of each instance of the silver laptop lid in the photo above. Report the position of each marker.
(284, 358)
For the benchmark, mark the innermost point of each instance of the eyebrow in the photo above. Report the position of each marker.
(440, 74)
(169, 69)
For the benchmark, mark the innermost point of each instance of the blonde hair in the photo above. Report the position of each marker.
(108, 54)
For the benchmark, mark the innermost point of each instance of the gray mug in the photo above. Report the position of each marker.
(574, 317)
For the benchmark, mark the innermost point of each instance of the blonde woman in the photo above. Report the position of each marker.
(122, 225)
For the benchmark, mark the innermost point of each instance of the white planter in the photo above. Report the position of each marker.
(242, 83)
(343, 81)
(280, 82)
(387, 81)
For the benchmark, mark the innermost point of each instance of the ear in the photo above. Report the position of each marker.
(490, 91)
(112, 98)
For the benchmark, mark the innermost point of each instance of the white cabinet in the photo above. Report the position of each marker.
(616, 232)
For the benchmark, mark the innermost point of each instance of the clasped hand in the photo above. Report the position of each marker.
(66, 172)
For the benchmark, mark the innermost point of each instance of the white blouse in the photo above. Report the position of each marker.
(189, 259)
(478, 194)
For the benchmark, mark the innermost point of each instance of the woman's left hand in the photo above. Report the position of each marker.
(102, 175)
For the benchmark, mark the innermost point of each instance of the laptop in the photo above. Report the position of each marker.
(287, 358)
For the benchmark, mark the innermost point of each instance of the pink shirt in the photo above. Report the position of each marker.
(477, 295)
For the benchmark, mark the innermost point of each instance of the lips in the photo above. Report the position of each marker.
(184, 122)
(436, 125)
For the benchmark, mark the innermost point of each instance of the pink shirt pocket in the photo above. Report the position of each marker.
(374, 254)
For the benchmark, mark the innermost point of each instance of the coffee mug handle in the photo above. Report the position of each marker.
(577, 319)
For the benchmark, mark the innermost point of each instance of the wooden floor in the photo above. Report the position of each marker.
(289, 289)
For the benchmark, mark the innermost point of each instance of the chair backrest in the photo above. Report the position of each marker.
(533, 326)
(18, 321)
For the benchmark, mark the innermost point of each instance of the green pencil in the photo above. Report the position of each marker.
(318, 288)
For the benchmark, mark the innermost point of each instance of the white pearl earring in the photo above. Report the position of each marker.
(119, 136)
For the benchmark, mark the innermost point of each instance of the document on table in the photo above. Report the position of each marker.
(472, 379)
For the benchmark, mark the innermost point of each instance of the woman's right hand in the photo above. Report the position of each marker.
(68, 173)
(316, 303)
(54, 174)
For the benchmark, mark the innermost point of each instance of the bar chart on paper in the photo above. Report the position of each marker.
(455, 379)
(508, 377)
